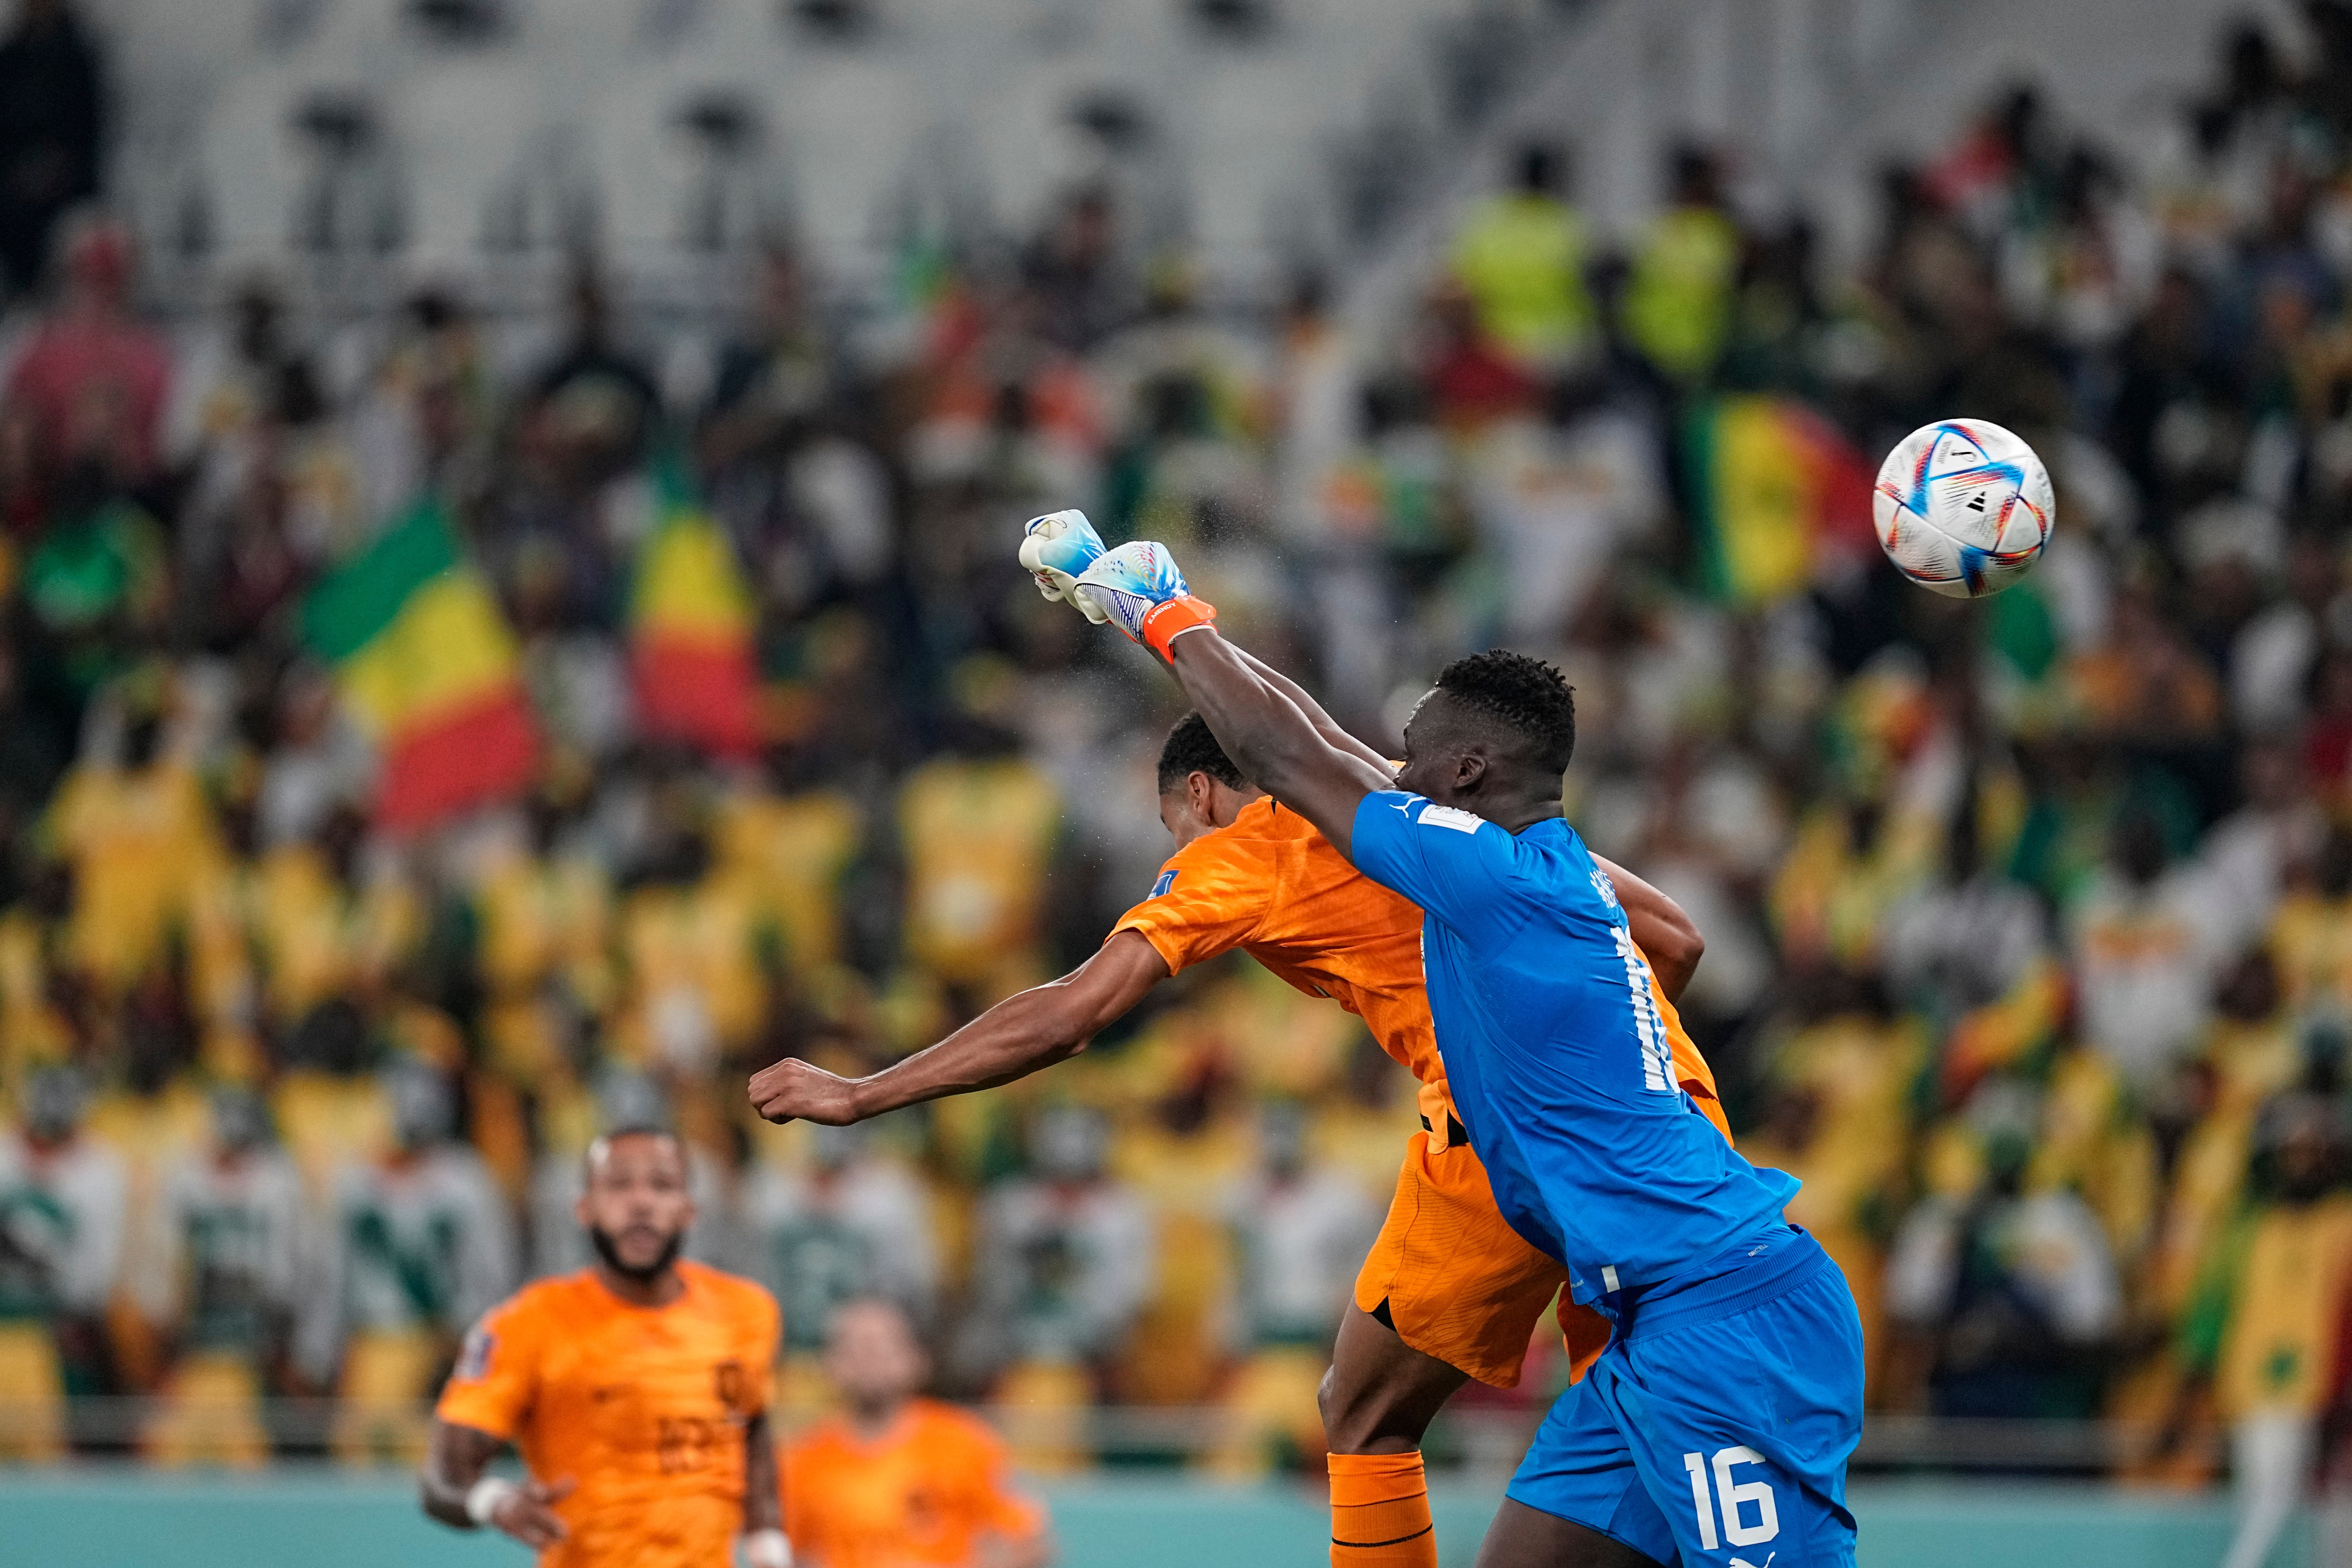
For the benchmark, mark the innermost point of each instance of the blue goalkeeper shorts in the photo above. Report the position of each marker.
(1715, 1429)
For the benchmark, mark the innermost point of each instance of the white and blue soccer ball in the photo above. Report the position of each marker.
(1963, 508)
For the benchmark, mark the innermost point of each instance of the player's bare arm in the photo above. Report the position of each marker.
(1668, 937)
(1287, 746)
(455, 1490)
(1325, 725)
(1276, 746)
(764, 1546)
(1024, 1034)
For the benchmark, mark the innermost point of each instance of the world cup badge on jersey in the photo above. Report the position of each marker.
(474, 1355)
(728, 1381)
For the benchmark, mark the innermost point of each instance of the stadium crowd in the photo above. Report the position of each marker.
(2029, 921)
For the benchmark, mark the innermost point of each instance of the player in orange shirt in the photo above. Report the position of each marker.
(895, 1481)
(636, 1389)
(1449, 1292)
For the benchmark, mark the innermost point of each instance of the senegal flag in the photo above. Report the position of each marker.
(1777, 493)
(690, 654)
(426, 665)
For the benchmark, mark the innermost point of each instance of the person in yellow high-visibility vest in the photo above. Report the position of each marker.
(1678, 296)
(1522, 259)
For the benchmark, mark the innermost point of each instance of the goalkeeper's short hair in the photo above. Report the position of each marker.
(1528, 696)
(1192, 748)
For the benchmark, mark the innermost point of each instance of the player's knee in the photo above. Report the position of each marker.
(1327, 1405)
(1341, 1426)
(1358, 1418)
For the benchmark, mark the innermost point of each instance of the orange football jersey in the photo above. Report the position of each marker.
(920, 1495)
(643, 1407)
(1272, 885)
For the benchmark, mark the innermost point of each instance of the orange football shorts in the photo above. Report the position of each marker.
(1459, 1283)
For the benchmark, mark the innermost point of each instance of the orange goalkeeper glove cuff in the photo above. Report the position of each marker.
(1167, 622)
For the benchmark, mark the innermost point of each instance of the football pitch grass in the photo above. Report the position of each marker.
(298, 1517)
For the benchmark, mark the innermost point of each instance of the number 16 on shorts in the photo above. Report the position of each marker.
(1735, 1497)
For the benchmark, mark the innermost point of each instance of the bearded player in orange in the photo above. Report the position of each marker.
(636, 1389)
(1449, 1292)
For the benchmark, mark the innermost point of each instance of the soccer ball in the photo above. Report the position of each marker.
(1963, 506)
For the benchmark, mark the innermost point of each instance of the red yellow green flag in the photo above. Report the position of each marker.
(690, 624)
(1778, 494)
(427, 667)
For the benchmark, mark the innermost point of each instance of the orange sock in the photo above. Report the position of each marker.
(1380, 1512)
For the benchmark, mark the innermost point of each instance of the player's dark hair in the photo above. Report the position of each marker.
(1528, 695)
(1192, 748)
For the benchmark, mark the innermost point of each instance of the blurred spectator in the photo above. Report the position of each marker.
(2271, 1320)
(323, 927)
(980, 827)
(851, 1224)
(1472, 386)
(1677, 302)
(2272, 658)
(64, 1216)
(228, 1261)
(317, 763)
(2004, 1297)
(1301, 1229)
(1970, 955)
(1836, 1085)
(2145, 931)
(1555, 500)
(417, 1244)
(418, 422)
(776, 379)
(542, 943)
(230, 383)
(53, 123)
(1968, 938)
(93, 380)
(798, 843)
(1522, 256)
(698, 951)
(1073, 271)
(1301, 1232)
(1062, 1265)
(2311, 937)
(2248, 857)
(592, 393)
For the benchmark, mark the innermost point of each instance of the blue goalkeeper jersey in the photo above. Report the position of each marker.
(1555, 1052)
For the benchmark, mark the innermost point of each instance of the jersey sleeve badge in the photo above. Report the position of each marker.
(473, 1354)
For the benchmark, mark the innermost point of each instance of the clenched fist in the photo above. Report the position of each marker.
(791, 1089)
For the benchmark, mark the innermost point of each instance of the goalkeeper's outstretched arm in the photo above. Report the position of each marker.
(1028, 1031)
(1277, 745)
(1312, 768)
(1325, 725)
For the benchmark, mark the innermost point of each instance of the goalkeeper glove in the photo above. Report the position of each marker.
(1138, 587)
(1056, 549)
